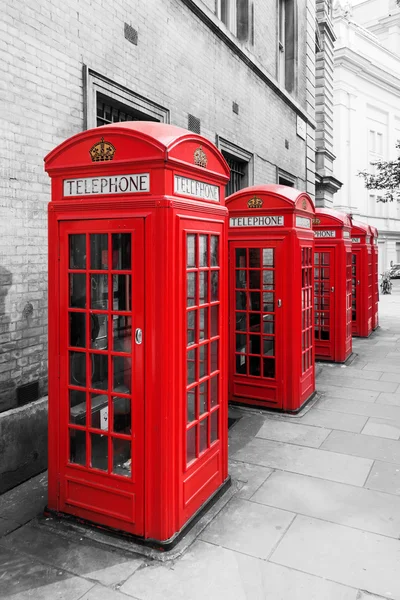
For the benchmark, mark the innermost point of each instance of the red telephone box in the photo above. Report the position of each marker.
(137, 327)
(332, 285)
(271, 340)
(361, 280)
(375, 276)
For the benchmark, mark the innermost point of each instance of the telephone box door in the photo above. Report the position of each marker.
(324, 302)
(101, 419)
(256, 334)
(355, 291)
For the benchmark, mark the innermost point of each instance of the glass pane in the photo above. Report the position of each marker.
(214, 251)
(203, 398)
(255, 322)
(99, 291)
(268, 302)
(316, 258)
(214, 286)
(214, 391)
(254, 301)
(191, 327)
(99, 411)
(214, 356)
(204, 434)
(77, 330)
(255, 344)
(77, 290)
(122, 333)
(98, 331)
(241, 341)
(241, 321)
(122, 462)
(77, 251)
(203, 251)
(268, 280)
(214, 427)
(241, 300)
(99, 451)
(254, 280)
(191, 405)
(191, 289)
(190, 249)
(254, 257)
(77, 368)
(254, 366)
(121, 256)
(203, 323)
(122, 374)
(241, 279)
(269, 346)
(268, 323)
(191, 367)
(203, 287)
(269, 367)
(241, 360)
(214, 320)
(122, 292)
(122, 415)
(77, 407)
(77, 446)
(241, 258)
(98, 251)
(268, 257)
(99, 371)
(191, 444)
(203, 360)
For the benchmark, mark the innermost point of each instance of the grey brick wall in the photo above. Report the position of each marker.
(181, 62)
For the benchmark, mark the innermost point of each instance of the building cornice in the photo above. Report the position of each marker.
(326, 27)
(329, 183)
(219, 29)
(366, 69)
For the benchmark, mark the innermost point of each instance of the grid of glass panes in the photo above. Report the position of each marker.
(100, 352)
(349, 295)
(322, 273)
(306, 309)
(354, 276)
(371, 307)
(255, 312)
(202, 343)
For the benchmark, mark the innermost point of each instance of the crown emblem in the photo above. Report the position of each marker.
(304, 204)
(316, 221)
(200, 157)
(255, 202)
(102, 151)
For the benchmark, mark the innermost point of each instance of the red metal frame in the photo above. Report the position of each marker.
(271, 345)
(333, 302)
(186, 177)
(361, 280)
(375, 276)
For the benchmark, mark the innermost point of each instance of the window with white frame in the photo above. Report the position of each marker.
(287, 44)
(237, 15)
(108, 102)
(240, 162)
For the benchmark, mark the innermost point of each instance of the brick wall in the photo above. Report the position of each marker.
(179, 62)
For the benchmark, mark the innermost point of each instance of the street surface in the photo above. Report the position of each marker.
(315, 514)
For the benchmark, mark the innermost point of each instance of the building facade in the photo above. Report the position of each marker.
(367, 112)
(240, 72)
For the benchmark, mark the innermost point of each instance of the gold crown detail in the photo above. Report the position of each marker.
(255, 202)
(304, 204)
(200, 157)
(102, 151)
(316, 221)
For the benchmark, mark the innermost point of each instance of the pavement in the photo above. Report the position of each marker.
(313, 514)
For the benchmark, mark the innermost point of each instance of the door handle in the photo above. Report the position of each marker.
(138, 336)
(279, 303)
(332, 289)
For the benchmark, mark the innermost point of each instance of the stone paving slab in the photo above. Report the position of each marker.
(342, 554)
(385, 477)
(99, 592)
(382, 428)
(343, 371)
(25, 501)
(332, 391)
(381, 366)
(356, 444)
(306, 461)
(215, 573)
(362, 384)
(395, 377)
(334, 420)
(293, 433)
(249, 528)
(252, 476)
(387, 398)
(357, 407)
(340, 503)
